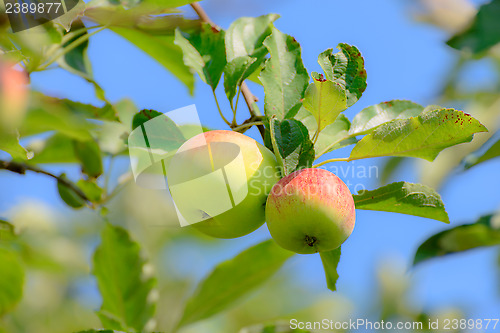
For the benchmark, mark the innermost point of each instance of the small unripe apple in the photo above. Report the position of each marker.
(309, 211)
(220, 180)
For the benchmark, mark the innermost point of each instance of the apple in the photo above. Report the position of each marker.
(13, 95)
(219, 181)
(309, 211)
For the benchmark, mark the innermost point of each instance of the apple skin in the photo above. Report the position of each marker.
(261, 171)
(13, 95)
(309, 211)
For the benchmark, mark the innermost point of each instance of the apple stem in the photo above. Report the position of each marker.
(340, 159)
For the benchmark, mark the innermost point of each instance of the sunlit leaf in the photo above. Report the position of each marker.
(90, 189)
(64, 116)
(373, 116)
(68, 194)
(11, 281)
(57, 148)
(325, 100)
(204, 53)
(347, 68)
(333, 136)
(330, 260)
(245, 50)
(239, 69)
(404, 198)
(9, 142)
(484, 232)
(233, 279)
(284, 77)
(89, 155)
(125, 287)
(246, 35)
(423, 136)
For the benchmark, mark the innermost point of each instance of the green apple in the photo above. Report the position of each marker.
(220, 180)
(309, 211)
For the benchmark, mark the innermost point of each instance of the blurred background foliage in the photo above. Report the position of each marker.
(46, 283)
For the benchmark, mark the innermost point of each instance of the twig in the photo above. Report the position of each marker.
(340, 159)
(21, 169)
(245, 91)
(247, 125)
(202, 14)
(220, 111)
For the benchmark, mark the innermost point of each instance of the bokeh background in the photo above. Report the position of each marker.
(403, 44)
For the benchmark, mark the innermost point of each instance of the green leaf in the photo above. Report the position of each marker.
(162, 49)
(325, 100)
(204, 53)
(233, 279)
(7, 231)
(373, 116)
(143, 117)
(238, 70)
(9, 142)
(404, 198)
(332, 137)
(295, 147)
(246, 35)
(69, 16)
(64, 116)
(284, 77)
(483, 33)
(163, 135)
(57, 148)
(90, 189)
(245, 50)
(124, 286)
(347, 68)
(330, 260)
(484, 232)
(423, 136)
(77, 61)
(68, 195)
(475, 158)
(89, 155)
(12, 281)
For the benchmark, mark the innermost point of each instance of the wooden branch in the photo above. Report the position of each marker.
(245, 91)
(21, 169)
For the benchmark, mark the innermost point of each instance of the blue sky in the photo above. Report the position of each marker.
(404, 60)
